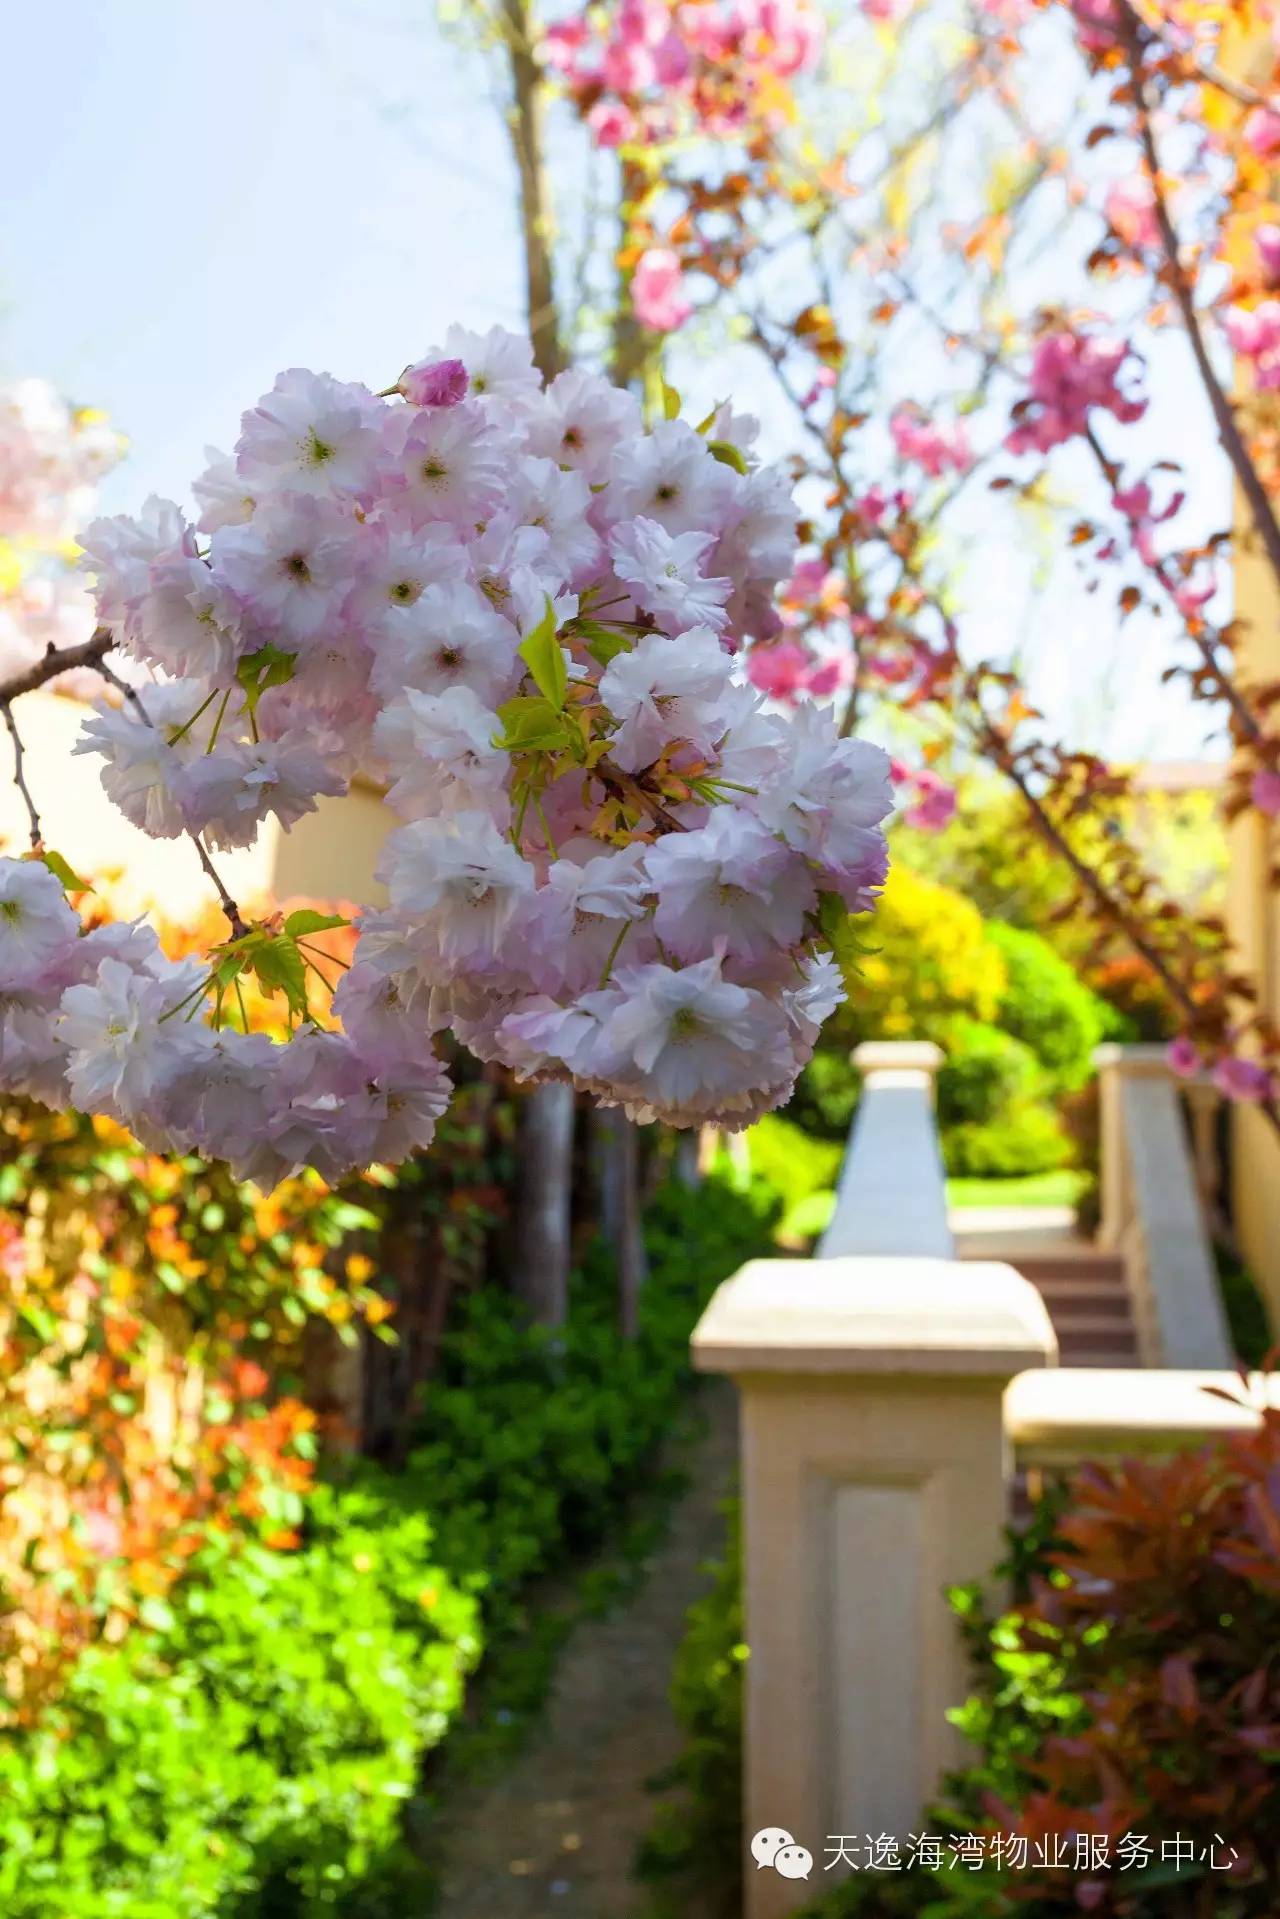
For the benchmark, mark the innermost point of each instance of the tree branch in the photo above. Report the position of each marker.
(1246, 719)
(1246, 473)
(55, 660)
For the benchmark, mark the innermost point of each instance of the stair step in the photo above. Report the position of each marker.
(1068, 1356)
(1104, 1332)
(1107, 1268)
(1112, 1346)
(1087, 1282)
(1087, 1306)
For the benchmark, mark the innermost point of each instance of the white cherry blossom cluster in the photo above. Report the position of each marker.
(52, 455)
(520, 609)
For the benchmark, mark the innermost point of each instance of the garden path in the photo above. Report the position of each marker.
(557, 1833)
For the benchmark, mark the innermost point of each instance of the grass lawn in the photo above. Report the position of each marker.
(806, 1170)
(1061, 1188)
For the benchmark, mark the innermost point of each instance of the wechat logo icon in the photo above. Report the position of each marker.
(775, 1847)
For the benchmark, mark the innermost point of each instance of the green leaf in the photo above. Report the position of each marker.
(269, 666)
(604, 643)
(839, 930)
(670, 402)
(279, 967)
(71, 881)
(307, 920)
(544, 657)
(727, 455)
(531, 724)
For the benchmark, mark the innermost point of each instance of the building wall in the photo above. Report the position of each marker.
(1253, 916)
(331, 854)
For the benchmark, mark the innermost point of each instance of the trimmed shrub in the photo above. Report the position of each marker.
(272, 1729)
(993, 1115)
(252, 1754)
(1046, 1007)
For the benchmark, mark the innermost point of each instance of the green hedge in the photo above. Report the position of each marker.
(1047, 1007)
(252, 1758)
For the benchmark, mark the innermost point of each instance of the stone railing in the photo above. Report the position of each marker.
(887, 1394)
(892, 1193)
(874, 1474)
(1055, 1420)
(1153, 1210)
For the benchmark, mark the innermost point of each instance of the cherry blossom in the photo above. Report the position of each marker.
(1071, 374)
(614, 862)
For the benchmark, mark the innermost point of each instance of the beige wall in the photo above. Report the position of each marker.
(330, 854)
(1253, 915)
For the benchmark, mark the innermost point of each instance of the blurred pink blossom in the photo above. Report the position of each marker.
(657, 291)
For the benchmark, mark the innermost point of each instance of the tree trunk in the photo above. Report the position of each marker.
(545, 1196)
(686, 1160)
(525, 126)
(618, 1172)
(540, 1274)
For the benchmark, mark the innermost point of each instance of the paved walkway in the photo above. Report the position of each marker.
(557, 1834)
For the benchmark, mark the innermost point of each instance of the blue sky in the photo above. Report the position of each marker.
(211, 194)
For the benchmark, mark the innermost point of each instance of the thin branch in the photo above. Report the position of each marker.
(228, 905)
(1229, 433)
(19, 772)
(57, 660)
(628, 788)
(1203, 69)
(1205, 646)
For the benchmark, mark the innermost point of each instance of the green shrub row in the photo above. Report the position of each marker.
(251, 1758)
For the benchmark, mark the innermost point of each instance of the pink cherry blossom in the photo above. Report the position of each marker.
(657, 291)
(1262, 133)
(435, 383)
(1071, 374)
(1131, 212)
(1264, 791)
(1254, 333)
(937, 448)
(1185, 1058)
(461, 582)
(1243, 1080)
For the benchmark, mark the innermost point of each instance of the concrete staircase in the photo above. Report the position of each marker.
(1084, 1289)
(1088, 1302)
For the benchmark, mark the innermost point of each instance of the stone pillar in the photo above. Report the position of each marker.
(892, 1192)
(1116, 1064)
(874, 1470)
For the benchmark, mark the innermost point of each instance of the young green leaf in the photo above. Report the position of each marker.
(670, 402)
(727, 455)
(604, 643)
(307, 920)
(279, 968)
(269, 666)
(531, 724)
(71, 881)
(544, 657)
(839, 929)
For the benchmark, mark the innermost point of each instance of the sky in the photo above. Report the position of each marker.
(200, 196)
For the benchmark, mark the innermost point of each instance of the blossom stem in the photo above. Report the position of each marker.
(546, 830)
(613, 954)
(187, 725)
(218, 718)
(19, 773)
